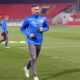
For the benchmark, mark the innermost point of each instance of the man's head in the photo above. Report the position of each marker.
(6, 17)
(35, 9)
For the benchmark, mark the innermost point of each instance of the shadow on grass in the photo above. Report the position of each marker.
(15, 78)
(51, 76)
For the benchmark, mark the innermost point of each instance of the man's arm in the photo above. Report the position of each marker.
(4, 27)
(46, 26)
(24, 26)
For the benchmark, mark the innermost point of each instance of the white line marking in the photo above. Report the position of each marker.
(23, 42)
(45, 46)
(71, 60)
(60, 46)
(12, 42)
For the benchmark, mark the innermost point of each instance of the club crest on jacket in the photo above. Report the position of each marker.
(41, 20)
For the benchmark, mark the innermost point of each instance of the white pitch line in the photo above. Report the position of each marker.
(60, 46)
(71, 60)
(21, 42)
(54, 47)
(24, 42)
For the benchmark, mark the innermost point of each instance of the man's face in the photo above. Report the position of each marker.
(36, 10)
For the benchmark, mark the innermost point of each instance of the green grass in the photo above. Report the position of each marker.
(59, 58)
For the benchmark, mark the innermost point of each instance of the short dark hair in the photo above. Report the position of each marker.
(34, 5)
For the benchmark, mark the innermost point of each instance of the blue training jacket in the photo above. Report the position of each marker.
(32, 24)
(4, 26)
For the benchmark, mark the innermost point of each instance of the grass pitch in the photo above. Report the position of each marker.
(59, 58)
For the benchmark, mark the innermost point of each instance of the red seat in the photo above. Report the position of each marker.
(24, 10)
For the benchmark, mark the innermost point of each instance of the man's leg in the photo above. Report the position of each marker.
(29, 64)
(2, 39)
(32, 51)
(38, 48)
(6, 40)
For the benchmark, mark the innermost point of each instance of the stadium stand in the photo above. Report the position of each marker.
(73, 23)
(23, 10)
(15, 10)
(76, 16)
(57, 9)
(76, 21)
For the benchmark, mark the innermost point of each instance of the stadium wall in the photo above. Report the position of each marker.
(35, 1)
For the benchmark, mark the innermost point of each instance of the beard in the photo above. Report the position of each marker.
(37, 13)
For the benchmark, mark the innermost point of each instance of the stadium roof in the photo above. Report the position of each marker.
(35, 1)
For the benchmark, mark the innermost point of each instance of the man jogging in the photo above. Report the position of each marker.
(36, 25)
(5, 32)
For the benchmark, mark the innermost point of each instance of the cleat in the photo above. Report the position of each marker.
(36, 78)
(7, 47)
(26, 72)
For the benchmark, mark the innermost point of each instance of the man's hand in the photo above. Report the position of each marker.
(41, 29)
(32, 35)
